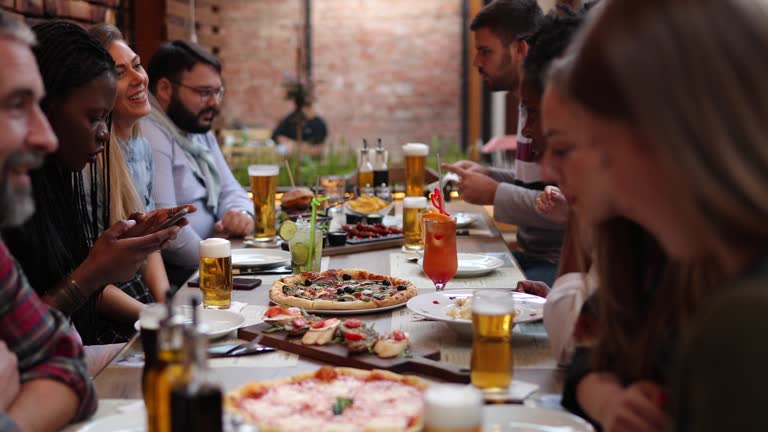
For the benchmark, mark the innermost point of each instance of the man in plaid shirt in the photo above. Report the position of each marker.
(43, 377)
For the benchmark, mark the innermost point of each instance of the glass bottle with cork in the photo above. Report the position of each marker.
(196, 399)
(365, 171)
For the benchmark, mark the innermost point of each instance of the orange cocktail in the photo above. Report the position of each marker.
(440, 260)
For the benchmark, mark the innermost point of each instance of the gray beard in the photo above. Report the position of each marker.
(17, 205)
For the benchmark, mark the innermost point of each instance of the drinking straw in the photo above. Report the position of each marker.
(439, 172)
(290, 174)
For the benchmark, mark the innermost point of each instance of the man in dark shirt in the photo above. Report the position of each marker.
(313, 133)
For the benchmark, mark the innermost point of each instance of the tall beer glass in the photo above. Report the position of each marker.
(453, 408)
(493, 314)
(216, 273)
(415, 162)
(263, 187)
(413, 207)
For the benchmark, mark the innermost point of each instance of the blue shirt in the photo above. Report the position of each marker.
(175, 184)
(138, 158)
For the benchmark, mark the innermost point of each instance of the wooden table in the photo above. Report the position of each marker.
(533, 362)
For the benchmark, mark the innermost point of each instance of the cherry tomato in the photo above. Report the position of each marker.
(275, 311)
(299, 323)
(353, 336)
(353, 323)
(399, 335)
(318, 324)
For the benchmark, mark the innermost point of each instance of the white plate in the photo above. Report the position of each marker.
(353, 311)
(471, 265)
(516, 418)
(436, 306)
(219, 322)
(260, 258)
(135, 421)
(464, 220)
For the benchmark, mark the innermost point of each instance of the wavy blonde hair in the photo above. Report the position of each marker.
(124, 199)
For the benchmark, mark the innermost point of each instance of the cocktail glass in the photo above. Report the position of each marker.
(440, 259)
(299, 246)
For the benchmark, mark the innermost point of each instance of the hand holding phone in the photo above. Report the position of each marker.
(157, 220)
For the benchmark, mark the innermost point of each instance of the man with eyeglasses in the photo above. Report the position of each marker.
(187, 90)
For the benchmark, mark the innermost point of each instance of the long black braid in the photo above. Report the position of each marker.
(59, 235)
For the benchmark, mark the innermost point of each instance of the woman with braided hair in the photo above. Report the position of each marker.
(68, 263)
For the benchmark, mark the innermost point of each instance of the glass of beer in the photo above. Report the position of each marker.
(415, 163)
(264, 187)
(493, 315)
(216, 273)
(453, 408)
(413, 207)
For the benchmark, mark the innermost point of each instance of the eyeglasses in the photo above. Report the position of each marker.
(205, 93)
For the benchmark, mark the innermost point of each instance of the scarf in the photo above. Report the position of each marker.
(198, 154)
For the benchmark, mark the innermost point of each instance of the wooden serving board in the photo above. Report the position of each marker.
(364, 247)
(424, 363)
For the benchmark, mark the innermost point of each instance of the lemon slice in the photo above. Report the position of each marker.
(287, 230)
(299, 253)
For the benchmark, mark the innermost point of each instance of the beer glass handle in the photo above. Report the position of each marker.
(435, 369)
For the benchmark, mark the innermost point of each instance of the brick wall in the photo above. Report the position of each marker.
(389, 69)
(80, 11)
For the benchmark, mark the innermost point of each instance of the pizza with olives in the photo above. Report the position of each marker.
(341, 289)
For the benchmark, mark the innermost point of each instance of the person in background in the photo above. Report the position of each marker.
(313, 133)
(503, 34)
(189, 168)
(75, 271)
(41, 358)
(131, 156)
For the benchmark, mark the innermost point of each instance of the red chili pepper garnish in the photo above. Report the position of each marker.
(353, 323)
(353, 336)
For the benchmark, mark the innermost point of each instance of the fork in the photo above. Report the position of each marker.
(247, 346)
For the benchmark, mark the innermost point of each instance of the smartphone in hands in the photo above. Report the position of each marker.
(238, 283)
(156, 220)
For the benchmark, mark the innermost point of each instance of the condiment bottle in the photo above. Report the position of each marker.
(196, 399)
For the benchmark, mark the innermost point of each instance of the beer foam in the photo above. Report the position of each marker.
(215, 248)
(415, 202)
(453, 406)
(496, 303)
(415, 149)
(263, 170)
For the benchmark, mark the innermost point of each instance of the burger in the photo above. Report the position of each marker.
(297, 200)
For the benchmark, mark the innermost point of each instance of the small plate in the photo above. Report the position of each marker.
(218, 322)
(516, 418)
(464, 220)
(471, 265)
(135, 421)
(381, 212)
(436, 306)
(260, 258)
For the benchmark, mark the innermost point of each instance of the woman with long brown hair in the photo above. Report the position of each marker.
(681, 135)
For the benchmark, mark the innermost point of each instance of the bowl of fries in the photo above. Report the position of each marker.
(368, 205)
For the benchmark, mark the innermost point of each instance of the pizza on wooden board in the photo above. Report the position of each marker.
(341, 289)
(332, 400)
